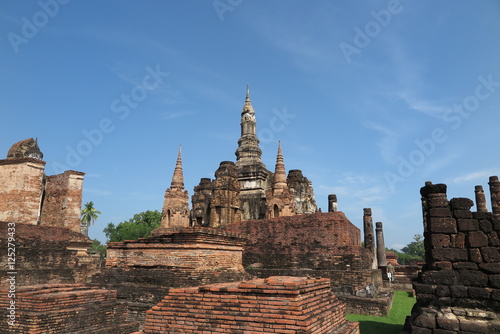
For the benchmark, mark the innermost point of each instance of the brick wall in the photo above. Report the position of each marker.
(194, 249)
(458, 290)
(65, 308)
(319, 241)
(272, 305)
(63, 200)
(21, 189)
(143, 271)
(46, 253)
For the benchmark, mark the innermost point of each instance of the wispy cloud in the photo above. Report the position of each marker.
(478, 175)
(176, 114)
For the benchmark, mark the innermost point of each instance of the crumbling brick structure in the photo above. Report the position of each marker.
(272, 305)
(65, 308)
(143, 271)
(319, 244)
(458, 290)
(28, 196)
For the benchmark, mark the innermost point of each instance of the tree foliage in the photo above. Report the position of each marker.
(140, 226)
(99, 248)
(415, 248)
(89, 214)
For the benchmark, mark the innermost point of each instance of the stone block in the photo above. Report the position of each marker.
(437, 202)
(448, 321)
(424, 288)
(440, 240)
(431, 190)
(458, 240)
(440, 212)
(442, 265)
(446, 277)
(465, 266)
(494, 281)
(493, 239)
(473, 278)
(458, 291)
(443, 291)
(443, 331)
(495, 295)
(449, 254)
(475, 255)
(482, 215)
(461, 203)
(490, 268)
(478, 293)
(425, 320)
(462, 214)
(420, 330)
(442, 225)
(476, 239)
(485, 225)
(496, 224)
(465, 225)
(490, 254)
(473, 325)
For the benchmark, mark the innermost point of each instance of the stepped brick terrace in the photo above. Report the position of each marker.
(273, 305)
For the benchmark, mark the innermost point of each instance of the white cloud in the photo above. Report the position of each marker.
(472, 176)
(176, 114)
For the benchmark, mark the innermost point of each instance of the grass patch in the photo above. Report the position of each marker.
(393, 323)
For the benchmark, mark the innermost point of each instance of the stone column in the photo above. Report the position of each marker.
(332, 203)
(495, 196)
(369, 239)
(382, 260)
(480, 199)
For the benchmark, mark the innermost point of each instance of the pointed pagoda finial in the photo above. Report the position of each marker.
(279, 183)
(247, 98)
(178, 177)
(247, 107)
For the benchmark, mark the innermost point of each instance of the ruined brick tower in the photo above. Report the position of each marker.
(175, 213)
(252, 173)
(29, 196)
(280, 201)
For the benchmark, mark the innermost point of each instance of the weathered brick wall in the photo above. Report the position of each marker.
(46, 254)
(196, 248)
(378, 307)
(458, 290)
(272, 305)
(143, 271)
(64, 308)
(319, 241)
(21, 189)
(63, 200)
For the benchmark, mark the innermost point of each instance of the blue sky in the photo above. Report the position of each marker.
(370, 99)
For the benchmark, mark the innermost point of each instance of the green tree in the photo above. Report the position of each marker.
(140, 226)
(99, 248)
(89, 214)
(415, 248)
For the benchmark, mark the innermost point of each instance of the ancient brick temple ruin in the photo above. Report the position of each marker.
(28, 196)
(47, 258)
(271, 305)
(459, 288)
(243, 190)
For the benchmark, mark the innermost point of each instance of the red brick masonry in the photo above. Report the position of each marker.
(65, 308)
(278, 304)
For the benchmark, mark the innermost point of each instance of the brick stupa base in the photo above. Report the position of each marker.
(65, 308)
(278, 304)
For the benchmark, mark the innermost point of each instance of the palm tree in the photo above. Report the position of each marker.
(89, 214)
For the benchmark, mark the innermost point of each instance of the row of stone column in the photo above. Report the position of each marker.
(378, 250)
(494, 194)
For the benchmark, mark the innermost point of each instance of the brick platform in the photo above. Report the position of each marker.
(66, 308)
(274, 305)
